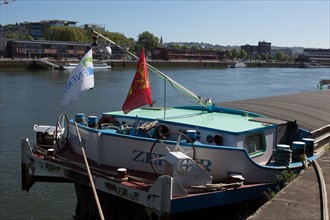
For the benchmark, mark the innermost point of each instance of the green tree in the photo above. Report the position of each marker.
(195, 47)
(148, 41)
(293, 57)
(234, 53)
(175, 46)
(243, 54)
(270, 57)
(279, 56)
(73, 34)
(264, 56)
(119, 38)
(228, 54)
(286, 57)
(12, 36)
(185, 47)
(26, 37)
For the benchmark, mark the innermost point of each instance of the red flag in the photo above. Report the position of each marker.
(139, 93)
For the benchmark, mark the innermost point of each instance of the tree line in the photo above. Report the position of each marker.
(76, 34)
(145, 39)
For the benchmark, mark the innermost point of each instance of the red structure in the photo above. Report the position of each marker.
(181, 54)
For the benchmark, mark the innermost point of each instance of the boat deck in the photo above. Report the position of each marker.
(135, 179)
(215, 120)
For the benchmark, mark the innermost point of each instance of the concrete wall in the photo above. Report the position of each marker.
(120, 64)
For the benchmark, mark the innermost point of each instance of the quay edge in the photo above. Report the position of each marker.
(10, 64)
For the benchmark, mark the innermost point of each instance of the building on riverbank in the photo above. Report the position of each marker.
(263, 48)
(58, 50)
(63, 51)
(42, 48)
(321, 56)
(181, 54)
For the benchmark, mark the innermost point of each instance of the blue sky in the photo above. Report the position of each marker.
(283, 23)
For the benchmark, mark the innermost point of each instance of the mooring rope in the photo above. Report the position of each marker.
(90, 175)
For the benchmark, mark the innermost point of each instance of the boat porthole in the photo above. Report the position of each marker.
(209, 139)
(218, 139)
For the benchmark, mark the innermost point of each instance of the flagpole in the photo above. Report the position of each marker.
(203, 102)
(164, 98)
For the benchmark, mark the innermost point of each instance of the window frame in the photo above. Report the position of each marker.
(258, 150)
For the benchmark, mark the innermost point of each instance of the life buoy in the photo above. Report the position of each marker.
(162, 132)
(106, 119)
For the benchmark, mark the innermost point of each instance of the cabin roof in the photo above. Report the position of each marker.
(214, 120)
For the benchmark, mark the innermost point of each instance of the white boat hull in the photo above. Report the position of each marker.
(133, 153)
(102, 66)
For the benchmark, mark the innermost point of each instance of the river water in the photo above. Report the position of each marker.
(32, 97)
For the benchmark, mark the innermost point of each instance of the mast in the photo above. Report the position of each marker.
(199, 100)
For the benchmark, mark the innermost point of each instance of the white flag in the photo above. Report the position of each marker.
(80, 79)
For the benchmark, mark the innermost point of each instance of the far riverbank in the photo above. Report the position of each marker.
(127, 64)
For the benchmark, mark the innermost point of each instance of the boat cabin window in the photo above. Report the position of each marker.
(254, 143)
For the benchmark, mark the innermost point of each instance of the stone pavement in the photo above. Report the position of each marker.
(300, 199)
